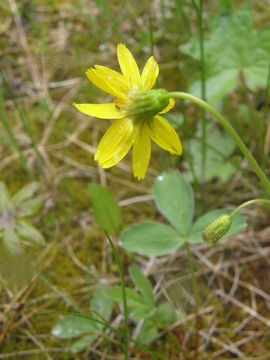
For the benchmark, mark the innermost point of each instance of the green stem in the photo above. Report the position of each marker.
(247, 203)
(227, 126)
(203, 92)
(122, 278)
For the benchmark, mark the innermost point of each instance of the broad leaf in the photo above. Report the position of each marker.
(150, 239)
(238, 224)
(174, 199)
(106, 209)
(72, 326)
(247, 53)
(143, 284)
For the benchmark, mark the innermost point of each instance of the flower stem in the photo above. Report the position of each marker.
(247, 203)
(125, 345)
(227, 126)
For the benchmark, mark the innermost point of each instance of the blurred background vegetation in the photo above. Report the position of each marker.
(45, 48)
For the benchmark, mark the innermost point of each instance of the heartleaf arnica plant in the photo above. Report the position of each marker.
(136, 109)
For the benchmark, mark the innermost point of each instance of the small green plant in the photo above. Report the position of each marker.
(175, 200)
(15, 230)
(87, 329)
(142, 306)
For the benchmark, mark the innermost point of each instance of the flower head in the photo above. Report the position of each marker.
(217, 229)
(136, 110)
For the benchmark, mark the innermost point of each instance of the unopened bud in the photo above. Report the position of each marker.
(217, 229)
(146, 104)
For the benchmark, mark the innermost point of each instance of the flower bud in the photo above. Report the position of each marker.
(217, 229)
(146, 104)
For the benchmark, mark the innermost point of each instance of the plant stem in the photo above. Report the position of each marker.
(203, 92)
(247, 203)
(196, 296)
(227, 126)
(122, 278)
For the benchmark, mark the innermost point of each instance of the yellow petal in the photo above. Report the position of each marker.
(164, 135)
(141, 152)
(101, 111)
(98, 79)
(150, 73)
(113, 78)
(168, 107)
(116, 143)
(128, 65)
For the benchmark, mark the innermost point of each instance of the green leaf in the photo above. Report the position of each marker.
(134, 300)
(143, 284)
(138, 308)
(150, 239)
(4, 196)
(143, 312)
(102, 305)
(11, 242)
(72, 326)
(29, 232)
(165, 314)
(25, 193)
(238, 224)
(247, 53)
(148, 333)
(174, 199)
(85, 341)
(106, 209)
(217, 86)
(219, 161)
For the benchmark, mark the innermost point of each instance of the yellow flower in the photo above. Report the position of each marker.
(136, 110)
